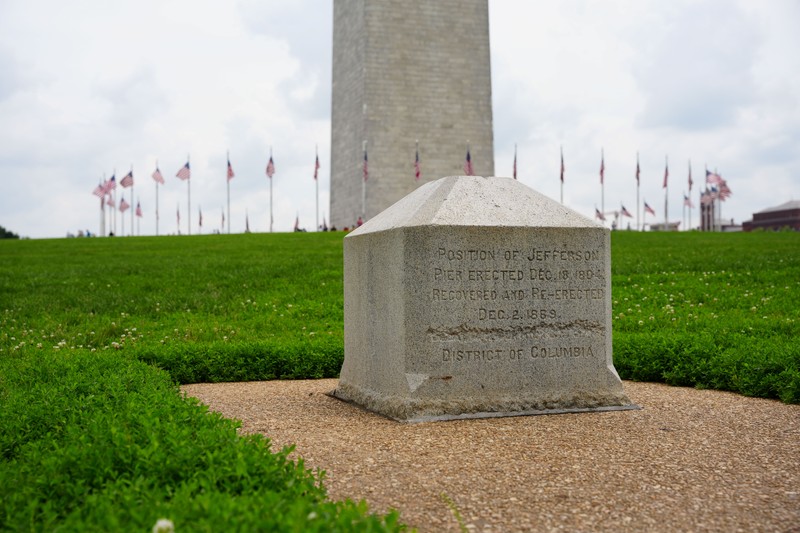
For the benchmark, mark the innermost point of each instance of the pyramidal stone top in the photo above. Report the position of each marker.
(477, 297)
(476, 201)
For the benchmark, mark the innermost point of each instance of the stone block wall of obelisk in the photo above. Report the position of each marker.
(403, 72)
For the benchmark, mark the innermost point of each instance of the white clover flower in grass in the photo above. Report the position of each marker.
(164, 525)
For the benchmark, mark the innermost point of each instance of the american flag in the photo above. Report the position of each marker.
(598, 214)
(706, 198)
(100, 191)
(690, 177)
(417, 170)
(712, 178)
(366, 165)
(270, 168)
(123, 205)
(468, 170)
(138, 209)
(602, 167)
(626, 213)
(111, 184)
(200, 212)
(158, 177)
(638, 172)
(223, 220)
(648, 209)
(687, 201)
(316, 168)
(562, 165)
(666, 175)
(724, 190)
(230, 170)
(127, 181)
(109, 201)
(297, 223)
(185, 172)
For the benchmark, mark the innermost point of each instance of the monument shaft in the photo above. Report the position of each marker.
(406, 72)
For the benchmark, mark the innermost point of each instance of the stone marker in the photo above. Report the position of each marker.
(477, 297)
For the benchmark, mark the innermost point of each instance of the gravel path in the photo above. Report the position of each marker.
(690, 460)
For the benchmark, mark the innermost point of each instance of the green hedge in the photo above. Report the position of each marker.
(100, 442)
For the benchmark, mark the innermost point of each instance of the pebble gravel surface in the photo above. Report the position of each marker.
(689, 460)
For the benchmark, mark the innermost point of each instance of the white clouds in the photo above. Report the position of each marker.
(696, 70)
(89, 87)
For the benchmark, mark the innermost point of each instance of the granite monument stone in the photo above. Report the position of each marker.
(476, 297)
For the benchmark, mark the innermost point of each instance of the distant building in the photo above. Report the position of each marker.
(707, 215)
(776, 218)
(709, 220)
(660, 226)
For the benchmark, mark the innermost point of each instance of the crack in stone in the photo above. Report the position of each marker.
(575, 328)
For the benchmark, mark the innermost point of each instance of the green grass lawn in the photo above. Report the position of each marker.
(95, 335)
(709, 310)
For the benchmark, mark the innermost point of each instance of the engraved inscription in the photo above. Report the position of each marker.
(504, 293)
(561, 351)
(471, 355)
(516, 314)
(498, 354)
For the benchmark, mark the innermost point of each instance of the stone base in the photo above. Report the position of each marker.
(405, 409)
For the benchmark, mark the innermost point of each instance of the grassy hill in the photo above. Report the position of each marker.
(95, 335)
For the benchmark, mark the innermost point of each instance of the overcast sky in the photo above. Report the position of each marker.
(89, 88)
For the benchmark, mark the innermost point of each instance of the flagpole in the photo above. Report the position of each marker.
(638, 205)
(106, 217)
(644, 217)
(102, 215)
(689, 225)
(602, 183)
(132, 213)
(417, 172)
(270, 194)
(114, 199)
(364, 187)
(562, 175)
(316, 181)
(228, 186)
(515, 161)
(683, 213)
(189, 206)
(718, 210)
(103, 209)
(156, 201)
(666, 192)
